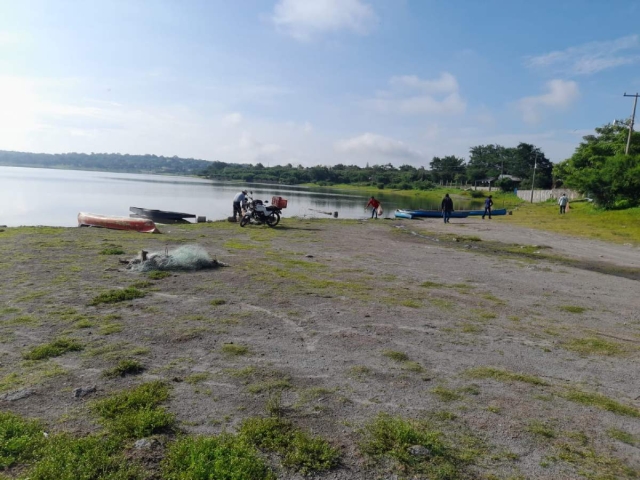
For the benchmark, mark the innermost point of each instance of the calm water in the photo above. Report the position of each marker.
(34, 196)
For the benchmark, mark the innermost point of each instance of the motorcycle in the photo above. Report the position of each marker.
(258, 211)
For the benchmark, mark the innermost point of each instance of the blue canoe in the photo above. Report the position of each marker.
(497, 211)
(427, 214)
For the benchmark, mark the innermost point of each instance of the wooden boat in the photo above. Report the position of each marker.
(160, 214)
(143, 225)
(497, 211)
(429, 214)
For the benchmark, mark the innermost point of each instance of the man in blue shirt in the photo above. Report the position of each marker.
(237, 204)
(488, 203)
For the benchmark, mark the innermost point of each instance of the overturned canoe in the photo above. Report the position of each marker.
(160, 214)
(142, 225)
(430, 214)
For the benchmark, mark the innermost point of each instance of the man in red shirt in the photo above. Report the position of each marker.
(374, 204)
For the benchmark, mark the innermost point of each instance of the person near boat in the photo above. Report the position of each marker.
(488, 203)
(237, 204)
(446, 207)
(563, 201)
(375, 205)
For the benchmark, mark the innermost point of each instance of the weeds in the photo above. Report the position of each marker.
(541, 429)
(136, 413)
(223, 457)
(396, 356)
(602, 402)
(116, 296)
(446, 394)
(269, 385)
(54, 349)
(622, 436)
(573, 309)
(115, 250)
(217, 302)
(196, 378)
(504, 375)
(298, 450)
(158, 274)
(124, 368)
(593, 346)
(20, 439)
(393, 438)
(235, 350)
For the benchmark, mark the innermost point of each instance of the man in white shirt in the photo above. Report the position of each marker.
(237, 204)
(563, 201)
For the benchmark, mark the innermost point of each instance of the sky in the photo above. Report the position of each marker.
(313, 81)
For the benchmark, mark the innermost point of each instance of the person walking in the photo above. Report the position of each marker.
(374, 204)
(488, 203)
(237, 204)
(446, 207)
(563, 201)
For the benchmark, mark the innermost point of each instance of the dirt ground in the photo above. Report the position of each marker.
(320, 305)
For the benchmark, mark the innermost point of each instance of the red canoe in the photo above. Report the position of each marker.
(117, 223)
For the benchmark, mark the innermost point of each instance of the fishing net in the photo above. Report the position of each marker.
(187, 257)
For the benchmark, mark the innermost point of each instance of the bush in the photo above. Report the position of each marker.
(476, 193)
(53, 349)
(20, 439)
(381, 186)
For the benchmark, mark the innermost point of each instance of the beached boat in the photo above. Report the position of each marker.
(143, 225)
(429, 214)
(403, 214)
(159, 215)
(497, 211)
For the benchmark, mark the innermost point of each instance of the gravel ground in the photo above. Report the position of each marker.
(318, 303)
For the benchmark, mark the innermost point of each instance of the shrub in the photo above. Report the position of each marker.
(20, 439)
(54, 349)
(115, 296)
(124, 368)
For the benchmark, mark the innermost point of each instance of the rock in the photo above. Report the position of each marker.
(309, 256)
(17, 395)
(419, 451)
(83, 391)
(145, 443)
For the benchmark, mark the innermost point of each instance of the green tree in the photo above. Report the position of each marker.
(446, 169)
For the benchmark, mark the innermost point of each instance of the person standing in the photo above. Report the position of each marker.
(488, 203)
(563, 201)
(374, 204)
(237, 204)
(446, 207)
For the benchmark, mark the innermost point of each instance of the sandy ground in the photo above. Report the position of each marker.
(318, 303)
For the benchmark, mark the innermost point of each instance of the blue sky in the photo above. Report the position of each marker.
(312, 81)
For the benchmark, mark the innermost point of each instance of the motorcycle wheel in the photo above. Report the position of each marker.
(244, 220)
(273, 220)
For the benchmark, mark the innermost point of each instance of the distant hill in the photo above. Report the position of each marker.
(107, 162)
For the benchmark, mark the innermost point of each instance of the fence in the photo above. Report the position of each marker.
(544, 195)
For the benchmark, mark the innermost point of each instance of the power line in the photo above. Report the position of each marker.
(633, 118)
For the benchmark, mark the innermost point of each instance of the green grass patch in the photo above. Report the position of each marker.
(195, 378)
(136, 413)
(124, 368)
(504, 375)
(573, 309)
(593, 346)
(223, 457)
(446, 394)
(541, 429)
(20, 440)
(269, 386)
(112, 251)
(54, 349)
(601, 401)
(109, 328)
(217, 302)
(298, 450)
(396, 356)
(87, 458)
(116, 296)
(158, 274)
(412, 366)
(622, 436)
(239, 245)
(142, 284)
(359, 371)
(234, 349)
(411, 303)
(391, 438)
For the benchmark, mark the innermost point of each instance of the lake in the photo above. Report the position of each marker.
(36, 196)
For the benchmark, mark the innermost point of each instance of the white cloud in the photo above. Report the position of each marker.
(304, 19)
(560, 94)
(377, 146)
(591, 57)
(411, 95)
(232, 119)
(446, 83)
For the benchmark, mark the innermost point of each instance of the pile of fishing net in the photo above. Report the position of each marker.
(187, 257)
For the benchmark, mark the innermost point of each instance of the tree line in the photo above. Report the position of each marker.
(486, 163)
(108, 162)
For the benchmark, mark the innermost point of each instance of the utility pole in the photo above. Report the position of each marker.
(533, 178)
(633, 118)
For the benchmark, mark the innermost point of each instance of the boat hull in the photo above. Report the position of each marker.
(160, 214)
(432, 214)
(142, 225)
(403, 214)
(497, 211)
